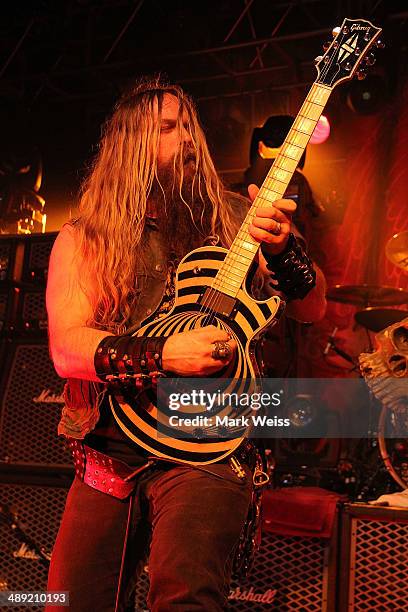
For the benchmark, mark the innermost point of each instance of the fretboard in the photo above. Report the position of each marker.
(244, 248)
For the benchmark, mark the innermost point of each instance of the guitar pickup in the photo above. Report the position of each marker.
(218, 302)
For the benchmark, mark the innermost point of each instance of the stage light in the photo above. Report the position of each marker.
(321, 131)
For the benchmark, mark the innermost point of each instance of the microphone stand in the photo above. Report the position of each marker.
(331, 345)
(12, 520)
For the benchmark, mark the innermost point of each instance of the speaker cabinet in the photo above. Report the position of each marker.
(374, 565)
(31, 402)
(290, 574)
(8, 307)
(38, 509)
(32, 312)
(36, 257)
(8, 245)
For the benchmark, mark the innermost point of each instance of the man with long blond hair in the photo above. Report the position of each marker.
(151, 196)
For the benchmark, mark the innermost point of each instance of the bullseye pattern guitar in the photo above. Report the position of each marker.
(211, 282)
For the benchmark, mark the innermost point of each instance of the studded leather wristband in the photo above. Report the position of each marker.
(127, 359)
(292, 270)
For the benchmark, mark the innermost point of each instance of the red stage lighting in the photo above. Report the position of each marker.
(321, 131)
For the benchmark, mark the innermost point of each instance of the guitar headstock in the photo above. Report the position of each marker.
(349, 53)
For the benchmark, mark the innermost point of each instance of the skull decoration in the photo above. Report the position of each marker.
(386, 370)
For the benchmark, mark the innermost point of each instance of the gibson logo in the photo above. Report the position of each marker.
(357, 26)
(249, 595)
(47, 397)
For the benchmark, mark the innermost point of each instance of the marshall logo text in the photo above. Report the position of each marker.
(47, 397)
(239, 594)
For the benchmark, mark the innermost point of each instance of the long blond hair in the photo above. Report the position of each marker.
(114, 197)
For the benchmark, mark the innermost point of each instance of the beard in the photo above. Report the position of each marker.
(183, 216)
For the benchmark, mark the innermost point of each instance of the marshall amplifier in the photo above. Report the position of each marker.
(37, 510)
(30, 405)
(374, 559)
(290, 574)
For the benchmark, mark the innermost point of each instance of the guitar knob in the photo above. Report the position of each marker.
(347, 66)
(326, 45)
(361, 75)
(318, 59)
(380, 44)
(335, 31)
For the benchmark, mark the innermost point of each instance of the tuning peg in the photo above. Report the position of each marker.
(335, 31)
(361, 74)
(370, 59)
(318, 59)
(380, 44)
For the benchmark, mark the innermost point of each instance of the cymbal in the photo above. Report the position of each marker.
(367, 295)
(396, 250)
(376, 319)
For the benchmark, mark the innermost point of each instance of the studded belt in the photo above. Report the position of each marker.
(104, 473)
(116, 478)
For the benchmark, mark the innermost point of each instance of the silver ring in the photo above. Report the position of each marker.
(278, 229)
(222, 351)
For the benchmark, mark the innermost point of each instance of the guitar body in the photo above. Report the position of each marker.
(197, 304)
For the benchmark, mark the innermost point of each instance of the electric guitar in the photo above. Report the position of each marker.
(211, 282)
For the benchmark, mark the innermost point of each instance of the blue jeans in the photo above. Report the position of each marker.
(192, 521)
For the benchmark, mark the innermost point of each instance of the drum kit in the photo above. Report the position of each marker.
(377, 311)
(375, 301)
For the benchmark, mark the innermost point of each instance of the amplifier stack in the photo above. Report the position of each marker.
(30, 389)
(35, 467)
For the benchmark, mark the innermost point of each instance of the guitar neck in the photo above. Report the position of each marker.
(244, 248)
